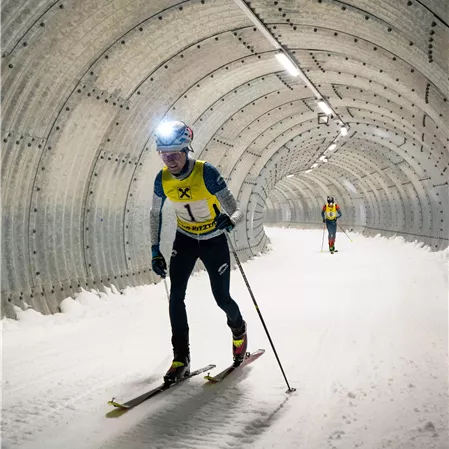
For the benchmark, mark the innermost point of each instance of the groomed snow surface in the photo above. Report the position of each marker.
(362, 335)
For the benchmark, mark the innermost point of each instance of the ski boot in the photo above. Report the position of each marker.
(179, 369)
(239, 344)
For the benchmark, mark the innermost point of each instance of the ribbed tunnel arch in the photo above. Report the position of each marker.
(85, 84)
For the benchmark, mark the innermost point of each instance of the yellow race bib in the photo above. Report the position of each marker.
(331, 212)
(193, 203)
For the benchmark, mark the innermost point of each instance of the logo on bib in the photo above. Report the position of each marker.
(184, 193)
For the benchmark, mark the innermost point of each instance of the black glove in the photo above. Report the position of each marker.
(324, 220)
(158, 263)
(223, 221)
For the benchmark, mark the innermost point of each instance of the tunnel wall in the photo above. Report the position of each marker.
(85, 84)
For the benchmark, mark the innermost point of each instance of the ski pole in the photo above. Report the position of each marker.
(166, 289)
(322, 243)
(345, 233)
(290, 389)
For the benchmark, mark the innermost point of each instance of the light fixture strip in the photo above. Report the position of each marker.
(264, 30)
(282, 58)
(293, 68)
(324, 107)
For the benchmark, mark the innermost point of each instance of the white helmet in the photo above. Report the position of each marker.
(173, 136)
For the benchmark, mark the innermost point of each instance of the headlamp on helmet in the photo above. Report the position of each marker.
(173, 136)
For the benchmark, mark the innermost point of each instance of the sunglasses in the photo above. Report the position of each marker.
(175, 156)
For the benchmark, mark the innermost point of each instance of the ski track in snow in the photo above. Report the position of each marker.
(362, 335)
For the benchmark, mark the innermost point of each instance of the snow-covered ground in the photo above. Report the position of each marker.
(362, 334)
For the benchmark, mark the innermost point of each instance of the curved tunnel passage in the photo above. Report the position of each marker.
(85, 84)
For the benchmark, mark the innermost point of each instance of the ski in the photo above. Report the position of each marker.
(249, 358)
(155, 391)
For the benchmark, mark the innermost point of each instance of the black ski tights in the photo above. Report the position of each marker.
(214, 253)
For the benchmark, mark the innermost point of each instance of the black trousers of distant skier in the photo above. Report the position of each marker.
(214, 253)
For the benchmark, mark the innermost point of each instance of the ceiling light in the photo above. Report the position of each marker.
(288, 65)
(314, 165)
(290, 176)
(332, 147)
(308, 171)
(344, 131)
(324, 107)
(322, 158)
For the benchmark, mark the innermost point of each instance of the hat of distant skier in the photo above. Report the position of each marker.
(330, 200)
(173, 136)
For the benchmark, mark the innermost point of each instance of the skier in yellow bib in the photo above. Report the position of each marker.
(196, 190)
(330, 214)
